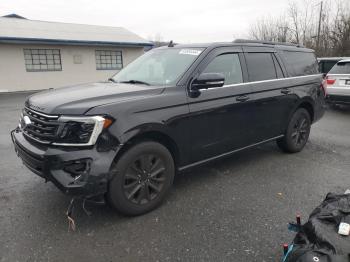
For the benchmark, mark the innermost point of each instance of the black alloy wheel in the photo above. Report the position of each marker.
(297, 133)
(300, 131)
(142, 177)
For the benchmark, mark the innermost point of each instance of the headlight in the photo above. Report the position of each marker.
(80, 131)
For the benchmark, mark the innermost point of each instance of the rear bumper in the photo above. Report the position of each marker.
(55, 164)
(338, 90)
(338, 99)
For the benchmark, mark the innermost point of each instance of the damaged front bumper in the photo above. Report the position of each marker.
(75, 171)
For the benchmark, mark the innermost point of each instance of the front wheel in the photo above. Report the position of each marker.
(142, 177)
(297, 133)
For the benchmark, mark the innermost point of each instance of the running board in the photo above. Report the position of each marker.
(226, 154)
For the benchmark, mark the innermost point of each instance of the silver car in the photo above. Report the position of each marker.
(338, 83)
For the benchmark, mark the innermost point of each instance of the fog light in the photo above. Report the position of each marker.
(77, 168)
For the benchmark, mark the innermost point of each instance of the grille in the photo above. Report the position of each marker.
(43, 128)
(33, 162)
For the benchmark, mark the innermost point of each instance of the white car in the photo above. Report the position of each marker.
(338, 83)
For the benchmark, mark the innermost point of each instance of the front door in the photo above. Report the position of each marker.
(220, 116)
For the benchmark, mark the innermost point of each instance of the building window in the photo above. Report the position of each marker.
(42, 60)
(108, 60)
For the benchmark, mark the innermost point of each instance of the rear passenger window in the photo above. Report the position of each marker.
(260, 66)
(300, 63)
(227, 64)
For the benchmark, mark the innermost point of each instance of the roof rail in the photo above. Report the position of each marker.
(247, 41)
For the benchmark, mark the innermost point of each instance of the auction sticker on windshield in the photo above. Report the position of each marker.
(190, 52)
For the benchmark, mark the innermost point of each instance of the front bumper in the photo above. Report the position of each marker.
(51, 164)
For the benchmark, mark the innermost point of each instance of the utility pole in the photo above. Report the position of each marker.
(319, 27)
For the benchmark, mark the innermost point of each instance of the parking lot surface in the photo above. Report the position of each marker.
(234, 209)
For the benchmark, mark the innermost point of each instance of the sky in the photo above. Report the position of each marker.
(183, 21)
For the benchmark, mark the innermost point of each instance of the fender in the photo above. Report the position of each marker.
(146, 128)
(156, 132)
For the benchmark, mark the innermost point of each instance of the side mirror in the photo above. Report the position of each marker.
(208, 80)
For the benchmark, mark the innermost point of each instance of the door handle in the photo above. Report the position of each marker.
(242, 98)
(285, 91)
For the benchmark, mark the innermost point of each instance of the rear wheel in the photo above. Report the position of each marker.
(142, 177)
(297, 133)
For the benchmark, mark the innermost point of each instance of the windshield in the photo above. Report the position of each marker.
(158, 66)
(341, 68)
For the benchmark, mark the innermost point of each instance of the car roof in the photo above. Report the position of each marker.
(344, 61)
(332, 58)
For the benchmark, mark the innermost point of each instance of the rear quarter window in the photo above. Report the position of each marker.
(300, 63)
(341, 68)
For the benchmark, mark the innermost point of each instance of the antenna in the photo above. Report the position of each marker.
(171, 44)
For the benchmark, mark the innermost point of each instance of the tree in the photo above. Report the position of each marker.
(340, 31)
(270, 29)
(301, 23)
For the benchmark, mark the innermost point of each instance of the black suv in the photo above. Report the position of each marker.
(171, 109)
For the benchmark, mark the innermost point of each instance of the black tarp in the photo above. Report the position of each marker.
(318, 239)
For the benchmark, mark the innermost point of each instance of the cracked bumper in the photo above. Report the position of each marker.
(51, 164)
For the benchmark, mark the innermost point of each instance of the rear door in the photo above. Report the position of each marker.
(272, 96)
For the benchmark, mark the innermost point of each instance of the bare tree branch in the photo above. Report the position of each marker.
(299, 24)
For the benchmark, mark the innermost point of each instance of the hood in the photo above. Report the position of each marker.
(76, 100)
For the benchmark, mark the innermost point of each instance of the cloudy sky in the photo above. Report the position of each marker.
(181, 20)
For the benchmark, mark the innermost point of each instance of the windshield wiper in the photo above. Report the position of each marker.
(135, 82)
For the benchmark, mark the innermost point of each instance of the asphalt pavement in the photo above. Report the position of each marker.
(235, 209)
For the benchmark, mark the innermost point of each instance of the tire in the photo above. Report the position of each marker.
(142, 177)
(297, 133)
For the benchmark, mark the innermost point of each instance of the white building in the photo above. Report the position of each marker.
(38, 55)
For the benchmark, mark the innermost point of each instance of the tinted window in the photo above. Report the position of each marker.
(278, 67)
(227, 64)
(300, 63)
(260, 66)
(341, 68)
(325, 66)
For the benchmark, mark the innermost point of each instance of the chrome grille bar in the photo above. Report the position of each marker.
(43, 128)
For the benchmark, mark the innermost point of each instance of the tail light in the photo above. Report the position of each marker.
(330, 81)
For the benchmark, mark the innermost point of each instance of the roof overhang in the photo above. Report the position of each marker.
(17, 40)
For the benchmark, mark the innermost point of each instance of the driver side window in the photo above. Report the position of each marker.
(229, 66)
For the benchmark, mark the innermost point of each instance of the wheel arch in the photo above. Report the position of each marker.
(151, 135)
(308, 106)
(304, 103)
